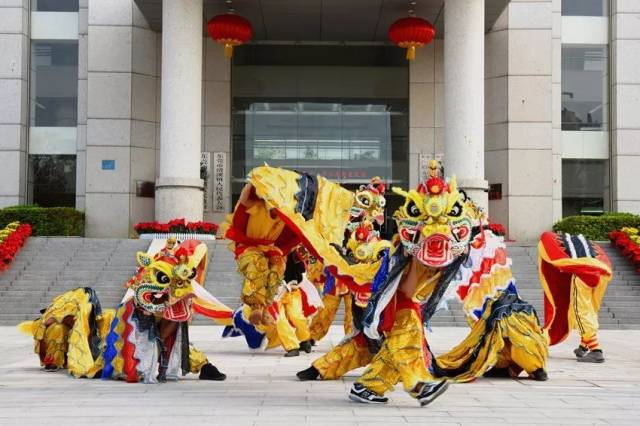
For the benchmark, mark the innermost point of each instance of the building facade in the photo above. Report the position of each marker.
(127, 110)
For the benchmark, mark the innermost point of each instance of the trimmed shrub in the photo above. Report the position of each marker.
(597, 227)
(45, 221)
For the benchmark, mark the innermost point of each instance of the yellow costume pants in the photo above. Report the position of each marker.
(348, 355)
(197, 360)
(291, 327)
(583, 315)
(515, 342)
(403, 357)
(323, 319)
(56, 342)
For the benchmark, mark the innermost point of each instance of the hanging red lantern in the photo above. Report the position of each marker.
(231, 30)
(411, 32)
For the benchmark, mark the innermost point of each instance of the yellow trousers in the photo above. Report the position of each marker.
(197, 360)
(583, 315)
(403, 357)
(291, 327)
(323, 319)
(350, 354)
(56, 341)
(515, 342)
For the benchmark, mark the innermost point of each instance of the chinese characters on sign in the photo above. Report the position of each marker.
(219, 171)
(205, 174)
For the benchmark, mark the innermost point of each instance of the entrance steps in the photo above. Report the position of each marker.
(47, 267)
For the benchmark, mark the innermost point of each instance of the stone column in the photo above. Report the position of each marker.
(14, 101)
(464, 96)
(179, 187)
(625, 99)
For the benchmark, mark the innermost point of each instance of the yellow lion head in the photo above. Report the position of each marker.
(167, 278)
(436, 221)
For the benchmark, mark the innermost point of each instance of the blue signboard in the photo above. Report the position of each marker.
(108, 164)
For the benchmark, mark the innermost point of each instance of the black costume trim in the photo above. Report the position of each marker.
(307, 195)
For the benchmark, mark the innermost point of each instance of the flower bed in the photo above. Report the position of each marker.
(627, 241)
(12, 239)
(179, 228)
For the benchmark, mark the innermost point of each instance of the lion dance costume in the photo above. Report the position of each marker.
(147, 338)
(70, 333)
(574, 273)
(304, 209)
(366, 217)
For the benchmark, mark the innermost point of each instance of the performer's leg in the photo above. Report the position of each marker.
(380, 376)
(348, 314)
(404, 350)
(295, 315)
(53, 348)
(584, 318)
(323, 319)
(198, 363)
(287, 333)
(348, 355)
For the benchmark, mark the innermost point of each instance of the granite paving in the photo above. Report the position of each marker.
(262, 389)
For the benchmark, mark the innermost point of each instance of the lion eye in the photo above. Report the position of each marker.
(162, 278)
(193, 274)
(456, 210)
(364, 201)
(382, 202)
(413, 210)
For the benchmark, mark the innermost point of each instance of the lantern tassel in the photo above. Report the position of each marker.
(228, 50)
(411, 53)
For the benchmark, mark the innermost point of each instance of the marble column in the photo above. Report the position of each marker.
(179, 187)
(464, 96)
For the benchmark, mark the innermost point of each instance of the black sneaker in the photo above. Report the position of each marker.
(593, 356)
(580, 351)
(310, 373)
(49, 368)
(539, 375)
(210, 372)
(359, 393)
(431, 391)
(292, 352)
(306, 346)
(313, 342)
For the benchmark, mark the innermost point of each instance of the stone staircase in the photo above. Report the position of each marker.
(48, 266)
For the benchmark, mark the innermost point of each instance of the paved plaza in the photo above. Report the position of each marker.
(262, 389)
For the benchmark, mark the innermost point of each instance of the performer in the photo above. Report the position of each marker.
(574, 273)
(70, 333)
(315, 213)
(369, 205)
(149, 336)
(364, 247)
(435, 233)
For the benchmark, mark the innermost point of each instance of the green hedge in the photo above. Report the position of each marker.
(46, 221)
(597, 227)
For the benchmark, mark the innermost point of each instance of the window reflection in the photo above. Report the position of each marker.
(54, 83)
(52, 180)
(584, 87)
(54, 5)
(585, 186)
(584, 7)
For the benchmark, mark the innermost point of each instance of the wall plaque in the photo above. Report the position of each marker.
(219, 182)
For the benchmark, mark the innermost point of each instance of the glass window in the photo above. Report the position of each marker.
(585, 186)
(52, 180)
(584, 87)
(337, 111)
(585, 7)
(54, 83)
(54, 5)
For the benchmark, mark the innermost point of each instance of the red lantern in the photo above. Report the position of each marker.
(230, 30)
(411, 32)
